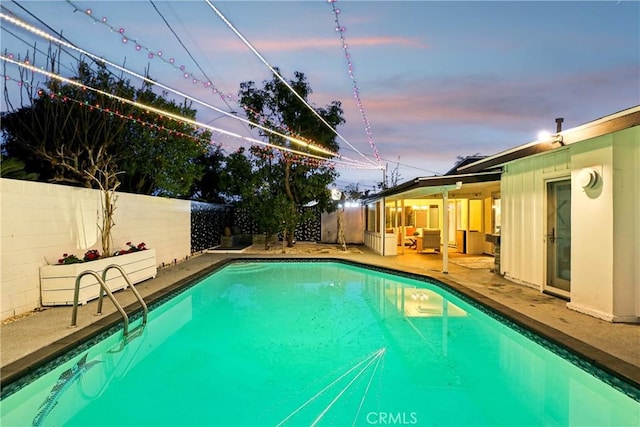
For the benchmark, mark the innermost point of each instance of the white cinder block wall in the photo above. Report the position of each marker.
(40, 222)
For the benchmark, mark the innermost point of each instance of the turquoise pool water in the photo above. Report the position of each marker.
(293, 343)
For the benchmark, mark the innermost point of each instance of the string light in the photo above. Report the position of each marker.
(290, 138)
(275, 73)
(356, 89)
(125, 38)
(188, 75)
(294, 158)
(168, 114)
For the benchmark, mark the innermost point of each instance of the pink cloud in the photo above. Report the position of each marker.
(511, 104)
(292, 45)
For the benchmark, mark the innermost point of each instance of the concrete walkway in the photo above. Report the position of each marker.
(30, 340)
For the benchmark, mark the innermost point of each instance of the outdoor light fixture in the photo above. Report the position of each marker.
(588, 178)
(544, 136)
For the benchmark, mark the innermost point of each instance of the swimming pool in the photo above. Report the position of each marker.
(300, 343)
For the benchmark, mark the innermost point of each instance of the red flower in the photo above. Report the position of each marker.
(91, 255)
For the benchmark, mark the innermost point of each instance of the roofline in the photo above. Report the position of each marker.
(612, 123)
(437, 181)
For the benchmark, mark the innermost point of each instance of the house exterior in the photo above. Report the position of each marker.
(406, 217)
(567, 211)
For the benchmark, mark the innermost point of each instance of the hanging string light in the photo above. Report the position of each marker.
(297, 139)
(225, 97)
(276, 74)
(294, 158)
(356, 89)
(148, 108)
(152, 53)
(305, 144)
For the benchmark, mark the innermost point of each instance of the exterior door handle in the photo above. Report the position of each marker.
(552, 236)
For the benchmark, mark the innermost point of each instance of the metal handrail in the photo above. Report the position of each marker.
(145, 309)
(105, 289)
(103, 286)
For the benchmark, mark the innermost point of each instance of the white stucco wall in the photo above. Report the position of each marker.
(626, 225)
(40, 222)
(592, 230)
(608, 276)
(605, 223)
(352, 224)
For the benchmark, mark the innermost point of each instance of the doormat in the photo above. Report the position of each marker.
(474, 262)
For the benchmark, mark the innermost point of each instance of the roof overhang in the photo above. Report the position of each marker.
(615, 122)
(426, 186)
(490, 168)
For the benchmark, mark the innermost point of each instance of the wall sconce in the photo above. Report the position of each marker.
(550, 138)
(556, 137)
(588, 178)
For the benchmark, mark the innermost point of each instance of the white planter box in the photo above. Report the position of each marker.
(57, 282)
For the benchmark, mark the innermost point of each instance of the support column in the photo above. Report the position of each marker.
(445, 231)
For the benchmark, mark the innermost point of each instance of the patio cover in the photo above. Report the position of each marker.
(426, 186)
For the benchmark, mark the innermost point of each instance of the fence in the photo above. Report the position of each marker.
(41, 222)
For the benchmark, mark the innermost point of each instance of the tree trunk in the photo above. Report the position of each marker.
(290, 225)
(107, 221)
(108, 183)
(341, 240)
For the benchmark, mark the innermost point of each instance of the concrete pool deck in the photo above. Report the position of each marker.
(28, 340)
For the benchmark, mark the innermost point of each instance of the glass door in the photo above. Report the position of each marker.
(451, 217)
(559, 238)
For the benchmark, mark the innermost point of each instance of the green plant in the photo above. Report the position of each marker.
(69, 259)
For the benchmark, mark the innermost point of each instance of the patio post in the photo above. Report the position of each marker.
(445, 231)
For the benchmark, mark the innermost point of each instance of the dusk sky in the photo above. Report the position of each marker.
(436, 80)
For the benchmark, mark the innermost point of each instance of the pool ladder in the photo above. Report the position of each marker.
(105, 289)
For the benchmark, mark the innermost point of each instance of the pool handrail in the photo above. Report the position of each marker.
(145, 309)
(103, 286)
(105, 289)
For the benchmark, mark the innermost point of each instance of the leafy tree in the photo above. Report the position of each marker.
(67, 136)
(300, 180)
(63, 134)
(237, 179)
(14, 169)
(160, 155)
(72, 135)
(248, 180)
(352, 192)
(83, 134)
(210, 186)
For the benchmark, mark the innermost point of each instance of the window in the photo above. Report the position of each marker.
(373, 217)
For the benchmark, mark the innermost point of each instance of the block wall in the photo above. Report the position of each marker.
(40, 222)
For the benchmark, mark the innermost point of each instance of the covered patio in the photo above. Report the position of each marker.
(412, 218)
